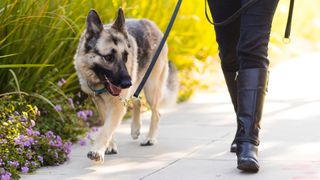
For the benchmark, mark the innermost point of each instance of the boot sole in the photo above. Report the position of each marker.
(248, 166)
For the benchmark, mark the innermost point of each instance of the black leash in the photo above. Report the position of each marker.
(232, 17)
(245, 7)
(156, 55)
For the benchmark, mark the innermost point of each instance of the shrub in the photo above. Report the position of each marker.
(22, 147)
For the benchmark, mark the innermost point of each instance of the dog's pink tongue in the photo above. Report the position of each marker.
(115, 90)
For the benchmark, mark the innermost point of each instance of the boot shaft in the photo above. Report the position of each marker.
(252, 85)
(230, 78)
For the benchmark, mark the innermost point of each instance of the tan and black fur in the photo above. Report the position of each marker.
(115, 57)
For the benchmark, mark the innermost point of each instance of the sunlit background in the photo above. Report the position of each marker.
(47, 32)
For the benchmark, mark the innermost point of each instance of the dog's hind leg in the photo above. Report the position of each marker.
(153, 101)
(114, 112)
(136, 123)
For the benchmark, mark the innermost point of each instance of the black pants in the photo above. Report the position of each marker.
(243, 43)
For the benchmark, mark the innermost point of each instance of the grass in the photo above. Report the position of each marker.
(37, 37)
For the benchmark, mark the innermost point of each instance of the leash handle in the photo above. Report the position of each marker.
(156, 55)
(289, 20)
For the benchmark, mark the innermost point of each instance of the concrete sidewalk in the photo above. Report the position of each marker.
(194, 137)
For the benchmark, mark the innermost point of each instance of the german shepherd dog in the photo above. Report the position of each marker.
(114, 58)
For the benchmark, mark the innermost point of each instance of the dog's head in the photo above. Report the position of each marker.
(108, 48)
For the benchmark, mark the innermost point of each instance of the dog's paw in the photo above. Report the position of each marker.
(96, 156)
(111, 149)
(148, 142)
(135, 133)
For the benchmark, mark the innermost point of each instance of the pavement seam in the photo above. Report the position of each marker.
(179, 159)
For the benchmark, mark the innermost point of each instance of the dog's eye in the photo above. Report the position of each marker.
(125, 56)
(109, 58)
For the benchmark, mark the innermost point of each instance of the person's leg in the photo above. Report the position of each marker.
(252, 78)
(227, 38)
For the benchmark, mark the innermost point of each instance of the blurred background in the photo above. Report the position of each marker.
(38, 39)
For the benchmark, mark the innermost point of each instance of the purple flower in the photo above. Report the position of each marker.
(19, 140)
(56, 155)
(70, 101)
(94, 129)
(58, 108)
(78, 94)
(40, 158)
(16, 113)
(85, 114)
(61, 82)
(24, 118)
(20, 150)
(10, 117)
(36, 133)
(89, 113)
(29, 131)
(3, 141)
(50, 134)
(14, 163)
(6, 175)
(59, 141)
(29, 142)
(67, 147)
(34, 164)
(16, 141)
(51, 143)
(29, 156)
(21, 137)
(82, 142)
(24, 169)
(89, 136)
(82, 115)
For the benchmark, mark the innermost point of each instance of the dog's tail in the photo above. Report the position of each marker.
(170, 91)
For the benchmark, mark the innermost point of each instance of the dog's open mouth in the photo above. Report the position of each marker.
(113, 89)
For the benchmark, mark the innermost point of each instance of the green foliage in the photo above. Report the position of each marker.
(45, 33)
(22, 147)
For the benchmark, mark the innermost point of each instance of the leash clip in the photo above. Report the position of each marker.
(127, 101)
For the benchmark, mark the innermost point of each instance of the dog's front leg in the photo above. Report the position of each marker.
(114, 112)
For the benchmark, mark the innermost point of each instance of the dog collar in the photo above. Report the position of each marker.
(97, 91)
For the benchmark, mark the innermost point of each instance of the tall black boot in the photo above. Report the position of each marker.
(230, 78)
(252, 84)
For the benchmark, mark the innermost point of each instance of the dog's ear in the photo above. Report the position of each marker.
(94, 24)
(119, 23)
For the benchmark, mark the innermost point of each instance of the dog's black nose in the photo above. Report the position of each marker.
(125, 84)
